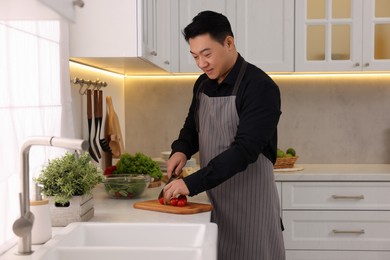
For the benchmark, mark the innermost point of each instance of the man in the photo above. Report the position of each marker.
(232, 122)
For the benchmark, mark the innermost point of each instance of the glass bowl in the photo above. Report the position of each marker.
(126, 186)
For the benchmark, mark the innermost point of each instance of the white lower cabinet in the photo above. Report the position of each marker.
(337, 230)
(337, 255)
(336, 220)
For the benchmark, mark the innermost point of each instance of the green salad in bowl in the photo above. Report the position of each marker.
(126, 186)
(130, 177)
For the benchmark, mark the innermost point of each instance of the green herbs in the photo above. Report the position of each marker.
(69, 176)
(138, 164)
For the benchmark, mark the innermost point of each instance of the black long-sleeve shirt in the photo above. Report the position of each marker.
(258, 108)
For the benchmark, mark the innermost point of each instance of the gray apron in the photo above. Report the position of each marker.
(246, 206)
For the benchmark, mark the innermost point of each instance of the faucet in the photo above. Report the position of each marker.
(24, 244)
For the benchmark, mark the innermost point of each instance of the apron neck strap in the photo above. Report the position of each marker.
(234, 93)
(239, 78)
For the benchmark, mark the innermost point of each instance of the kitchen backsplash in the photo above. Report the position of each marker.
(326, 118)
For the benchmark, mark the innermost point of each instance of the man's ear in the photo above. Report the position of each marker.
(229, 41)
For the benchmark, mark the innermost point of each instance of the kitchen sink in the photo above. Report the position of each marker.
(105, 241)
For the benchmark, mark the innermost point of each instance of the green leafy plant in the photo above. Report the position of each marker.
(68, 176)
(138, 164)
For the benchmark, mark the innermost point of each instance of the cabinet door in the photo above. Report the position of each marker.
(160, 33)
(187, 10)
(336, 230)
(65, 8)
(105, 29)
(265, 33)
(376, 35)
(336, 195)
(328, 35)
(336, 255)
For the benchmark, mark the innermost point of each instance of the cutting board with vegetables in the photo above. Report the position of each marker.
(190, 208)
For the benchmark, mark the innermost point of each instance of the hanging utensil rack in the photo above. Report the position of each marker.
(94, 84)
(92, 88)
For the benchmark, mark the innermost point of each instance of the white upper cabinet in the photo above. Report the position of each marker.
(65, 8)
(263, 30)
(342, 35)
(265, 33)
(105, 28)
(376, 35)
(160, 33)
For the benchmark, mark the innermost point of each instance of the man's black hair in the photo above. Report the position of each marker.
(215, 24)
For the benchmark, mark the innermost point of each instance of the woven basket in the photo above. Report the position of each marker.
(285, 162)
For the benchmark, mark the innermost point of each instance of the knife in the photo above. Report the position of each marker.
(173, 177)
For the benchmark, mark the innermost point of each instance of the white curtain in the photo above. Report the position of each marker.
(35, 100)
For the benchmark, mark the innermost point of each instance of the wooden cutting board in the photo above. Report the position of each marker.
(190, 208)
(113, 130)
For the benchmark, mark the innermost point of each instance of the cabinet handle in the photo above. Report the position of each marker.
(154, 53)
(166, 62)
(79, 3)
(367, 64)
(357, 64)
(360, 231)
(343, 197)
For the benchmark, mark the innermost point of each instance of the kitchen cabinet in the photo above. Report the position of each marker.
(160, 33)
(265, 33)
(263, 30)
(65, 8)
(347, 35)
(126, 36)
(105, 28)
(327, 219)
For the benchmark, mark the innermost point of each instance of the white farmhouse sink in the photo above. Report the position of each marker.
(108, 241)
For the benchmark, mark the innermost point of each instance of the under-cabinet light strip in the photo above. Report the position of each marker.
(94, 69)
(195, 75)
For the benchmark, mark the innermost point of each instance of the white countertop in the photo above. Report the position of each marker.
(112, 210)
(337, 172)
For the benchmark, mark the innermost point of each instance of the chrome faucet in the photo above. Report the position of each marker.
(27, 218)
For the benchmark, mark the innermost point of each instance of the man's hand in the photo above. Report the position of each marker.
(175, 188)
(176, 163)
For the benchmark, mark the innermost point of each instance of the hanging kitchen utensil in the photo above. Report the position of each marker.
(103, 142)
(96, 117)
(114, 130)
(89, 117)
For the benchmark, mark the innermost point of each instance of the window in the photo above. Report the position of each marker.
(34, 101)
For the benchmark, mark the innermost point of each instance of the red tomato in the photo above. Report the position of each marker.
(181, 203)
(174, 201)
(182, 197)
(161, 200)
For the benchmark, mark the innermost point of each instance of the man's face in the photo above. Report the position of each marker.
(211, 56)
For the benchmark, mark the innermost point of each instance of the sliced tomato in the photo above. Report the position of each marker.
(181, 203)
(161, 200)
(174, 201)
(182, 197)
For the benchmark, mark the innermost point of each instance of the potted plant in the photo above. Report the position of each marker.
(131, 175)
(68, 182)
